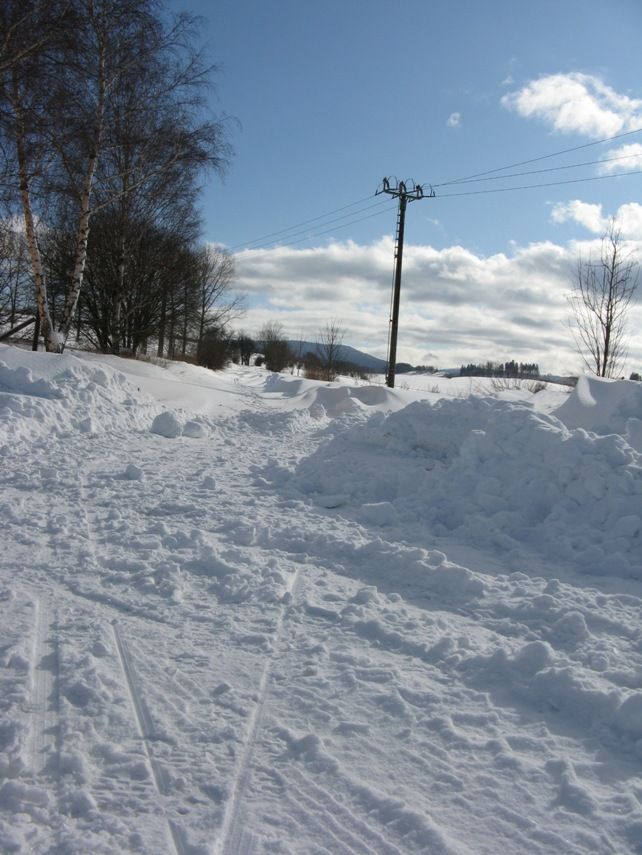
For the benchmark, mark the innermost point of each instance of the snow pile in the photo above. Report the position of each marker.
(605, 406)
(43, 395)
(334, 399)
(170, 425)
(494, 474)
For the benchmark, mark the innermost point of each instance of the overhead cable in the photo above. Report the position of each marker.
(312, 232)
(549, 169)
(302, 223)
(535, 159)
(544, 184)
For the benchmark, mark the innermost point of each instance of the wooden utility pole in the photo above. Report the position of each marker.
(405, 192)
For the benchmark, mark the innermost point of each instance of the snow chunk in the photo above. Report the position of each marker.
(193, 430)
(133, 472)
(571, 628)
(15, 795)
(629, 716)
(533, 657)
(167, 424)
(379, 513)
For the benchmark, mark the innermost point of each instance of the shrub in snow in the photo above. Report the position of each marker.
(166, 424)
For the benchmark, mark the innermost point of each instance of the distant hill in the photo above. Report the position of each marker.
(370, 364)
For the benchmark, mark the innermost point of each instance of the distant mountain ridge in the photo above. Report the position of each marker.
(371, 364)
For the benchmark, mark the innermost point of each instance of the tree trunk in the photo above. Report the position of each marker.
(161, 325)
(185, 305)
(52, 339)
(71, 297)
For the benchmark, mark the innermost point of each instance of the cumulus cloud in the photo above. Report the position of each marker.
(455, 304)
(585, 213)
(576, 103)
(622, 159)
(628, 217)
(454, 120)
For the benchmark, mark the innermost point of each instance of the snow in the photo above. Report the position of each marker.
(250, 613)
(606, 406)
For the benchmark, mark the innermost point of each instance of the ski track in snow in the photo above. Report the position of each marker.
(43, 752)
(223, 658)
(145, 729)
(235, 838)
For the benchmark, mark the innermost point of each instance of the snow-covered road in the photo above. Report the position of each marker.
(273, 632)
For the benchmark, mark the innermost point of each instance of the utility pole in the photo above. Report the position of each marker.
(405, 192)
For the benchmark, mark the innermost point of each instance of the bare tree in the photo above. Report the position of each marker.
(601, 300)
(329, 342)
(216, 303)
(15, 297)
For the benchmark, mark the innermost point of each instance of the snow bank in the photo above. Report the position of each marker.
(495, 473)
(604, 407)
(47, 394)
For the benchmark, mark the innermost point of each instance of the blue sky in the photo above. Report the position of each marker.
(332, 96)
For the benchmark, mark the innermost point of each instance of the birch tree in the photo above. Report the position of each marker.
(71, 99)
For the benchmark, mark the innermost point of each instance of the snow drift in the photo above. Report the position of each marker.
(605, 406)
(494, 474)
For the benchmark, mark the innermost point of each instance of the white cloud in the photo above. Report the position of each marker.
(586, 214)
(454, 120)
(455, 304)
(576, 103)
(628, 217)
(629, 158)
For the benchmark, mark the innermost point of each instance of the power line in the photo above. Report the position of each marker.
(296, 228)
(315, 234)
(544, 184)
(302, 223)
(536, 159)
(548, 169)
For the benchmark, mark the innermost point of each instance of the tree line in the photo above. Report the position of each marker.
(500, 369)
(105, 138)
(272, 349)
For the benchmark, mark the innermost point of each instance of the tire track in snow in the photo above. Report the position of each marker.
(145, 728)
(235, 839)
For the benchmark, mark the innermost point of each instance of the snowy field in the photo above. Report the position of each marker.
(251, 613)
